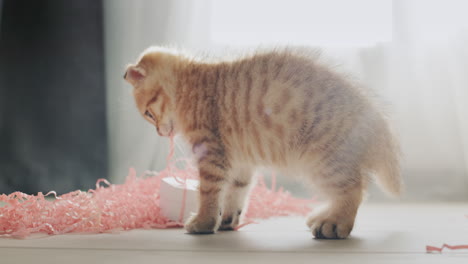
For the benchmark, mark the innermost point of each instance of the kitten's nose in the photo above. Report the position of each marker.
(125, 75)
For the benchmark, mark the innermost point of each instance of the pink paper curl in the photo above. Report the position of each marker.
(432, 249)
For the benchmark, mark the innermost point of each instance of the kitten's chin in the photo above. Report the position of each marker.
(166, 130)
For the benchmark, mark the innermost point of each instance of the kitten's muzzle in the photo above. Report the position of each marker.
(165, 130)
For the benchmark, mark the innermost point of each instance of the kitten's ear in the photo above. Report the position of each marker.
(134, 74)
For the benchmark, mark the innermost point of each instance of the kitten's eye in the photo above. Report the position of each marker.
(148, 114)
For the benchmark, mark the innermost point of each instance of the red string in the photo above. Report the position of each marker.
(432, 249)
(183, 181)
(244, 224)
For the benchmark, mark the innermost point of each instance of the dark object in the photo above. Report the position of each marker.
(52, 96)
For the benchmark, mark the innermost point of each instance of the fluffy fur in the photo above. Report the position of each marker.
(281, 109)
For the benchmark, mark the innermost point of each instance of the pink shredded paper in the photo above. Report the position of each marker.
(114, 207)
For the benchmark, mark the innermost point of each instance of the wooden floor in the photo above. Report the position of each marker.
(384, 233)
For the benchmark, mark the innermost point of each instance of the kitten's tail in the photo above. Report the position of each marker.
(385, 161)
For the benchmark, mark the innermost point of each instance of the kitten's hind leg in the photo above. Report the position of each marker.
(235, 198)
(336, 219)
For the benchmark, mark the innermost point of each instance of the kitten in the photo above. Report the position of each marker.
(280, 109)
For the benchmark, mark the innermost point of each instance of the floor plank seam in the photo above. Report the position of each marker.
(422, 252)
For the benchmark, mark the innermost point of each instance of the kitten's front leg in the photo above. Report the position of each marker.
(213, 182)
(235, 197)
(208, 218)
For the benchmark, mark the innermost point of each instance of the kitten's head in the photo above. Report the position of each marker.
(154, 83)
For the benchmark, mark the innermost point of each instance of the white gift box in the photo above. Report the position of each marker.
(172, 198)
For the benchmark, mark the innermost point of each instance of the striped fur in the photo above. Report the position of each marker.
(280, 109)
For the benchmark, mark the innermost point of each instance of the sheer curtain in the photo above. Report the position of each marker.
(413, 53)
(130, 27)
(426, 80)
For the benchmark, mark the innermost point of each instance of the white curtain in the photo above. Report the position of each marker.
(130, 27)
(423, 73)
(414, 53)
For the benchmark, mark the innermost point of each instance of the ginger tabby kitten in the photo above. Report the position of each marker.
(281, 109)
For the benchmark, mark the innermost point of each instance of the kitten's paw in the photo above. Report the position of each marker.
(230, 220)
(329, 226)
(202, 225)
